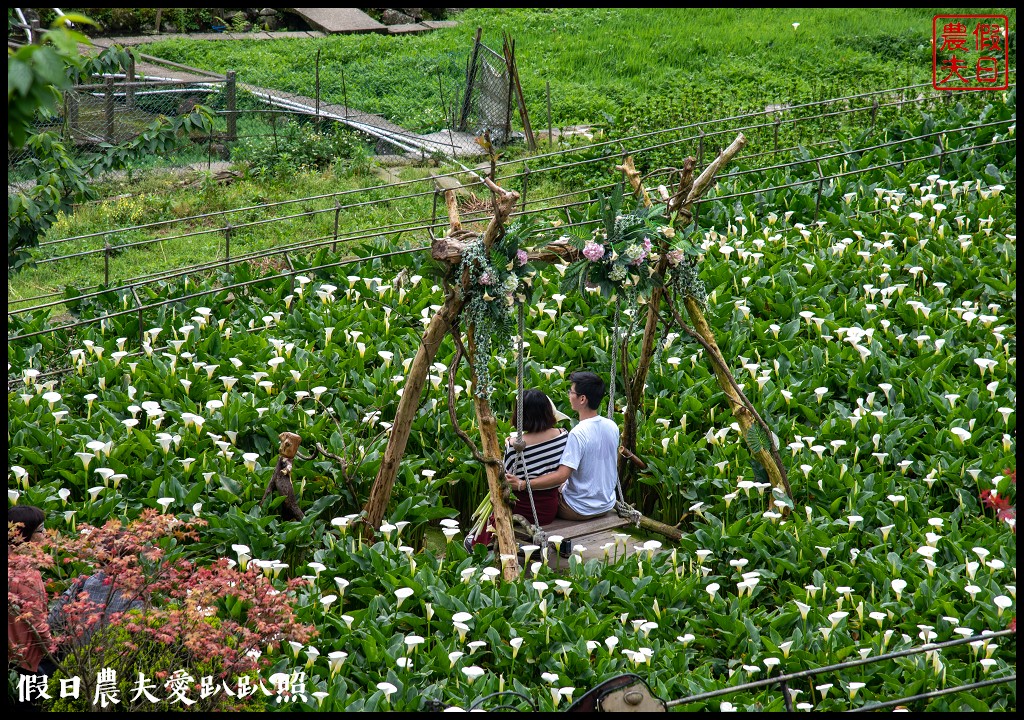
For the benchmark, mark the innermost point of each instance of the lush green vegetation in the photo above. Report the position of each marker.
(637, 68)
(871, 318)
(879, 342)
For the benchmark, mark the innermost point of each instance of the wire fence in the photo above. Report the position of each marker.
(140, 309)
(487, 99)
(114, 110)
(113, 242)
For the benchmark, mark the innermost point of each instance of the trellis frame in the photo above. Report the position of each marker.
(450, 248)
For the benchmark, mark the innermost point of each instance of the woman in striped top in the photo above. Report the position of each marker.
(544, 445)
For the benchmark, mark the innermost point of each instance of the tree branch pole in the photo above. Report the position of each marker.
(380, 492)
(453, 367)
(743, 411)
(504, 204)
(741, 407)
(634, 384)
(687, 193)
(439, 326)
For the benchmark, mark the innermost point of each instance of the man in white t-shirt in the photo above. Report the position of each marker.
(589, 464)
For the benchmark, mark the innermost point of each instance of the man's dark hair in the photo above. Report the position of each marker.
(27, 518)
(589, 384)
(537, 413)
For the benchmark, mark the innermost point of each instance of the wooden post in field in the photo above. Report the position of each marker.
(231, 90)
(108, 110)
(129, 88)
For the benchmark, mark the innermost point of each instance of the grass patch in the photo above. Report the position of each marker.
(641, 67)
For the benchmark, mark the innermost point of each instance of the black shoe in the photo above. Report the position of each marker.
(565, 551)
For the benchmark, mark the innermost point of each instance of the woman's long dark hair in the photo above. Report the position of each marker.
(537, 413)
(27, 518)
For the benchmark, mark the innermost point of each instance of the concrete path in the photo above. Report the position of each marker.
(452, 144)
(340, 20)
(331, 27)
(132, 40)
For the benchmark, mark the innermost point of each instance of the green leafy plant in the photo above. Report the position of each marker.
(302, 147)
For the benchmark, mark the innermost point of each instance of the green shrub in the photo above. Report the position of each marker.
(125, 21)
(156, 662)
(300, 146)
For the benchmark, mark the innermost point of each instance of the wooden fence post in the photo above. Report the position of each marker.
(230, 88)
(108, 110)
(129, 88)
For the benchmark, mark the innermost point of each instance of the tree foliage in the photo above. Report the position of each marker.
(37, 75)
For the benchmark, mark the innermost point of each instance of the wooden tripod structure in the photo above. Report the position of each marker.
(449, 249)
(688, 192)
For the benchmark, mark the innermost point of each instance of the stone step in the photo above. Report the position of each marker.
(340, 20)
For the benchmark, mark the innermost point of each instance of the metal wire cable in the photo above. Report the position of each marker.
(384, 200)
(836, 176)
(936, 693)
(533, 158)
(787, 677)
(379, 232)
(213, 291)
(655, 133)
(373, 202)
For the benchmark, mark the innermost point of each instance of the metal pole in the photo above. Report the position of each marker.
(108, 110)
(467, 99)
(291, 275)
(821, 183)
(526, 182)
(273, 129)
(787, 696)
(433, 215)
(444, 109)
(66, 130)
(138, 304)
(106, 263)
(318, 86)
(227, 246)
(344, 92)
(337, 216)
(73, 105)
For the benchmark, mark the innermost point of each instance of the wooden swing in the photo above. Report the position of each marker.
(571, 531)
(449, 249)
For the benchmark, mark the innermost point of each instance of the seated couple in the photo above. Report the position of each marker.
(572, 474)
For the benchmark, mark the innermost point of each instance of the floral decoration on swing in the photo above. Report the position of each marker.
(498, 279)
(622, 253)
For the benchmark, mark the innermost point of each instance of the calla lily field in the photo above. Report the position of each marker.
(869, 316)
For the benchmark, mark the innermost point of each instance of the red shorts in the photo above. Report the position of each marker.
(546, 502)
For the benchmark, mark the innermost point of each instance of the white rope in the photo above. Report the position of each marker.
(519, 444)
(622, 508)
